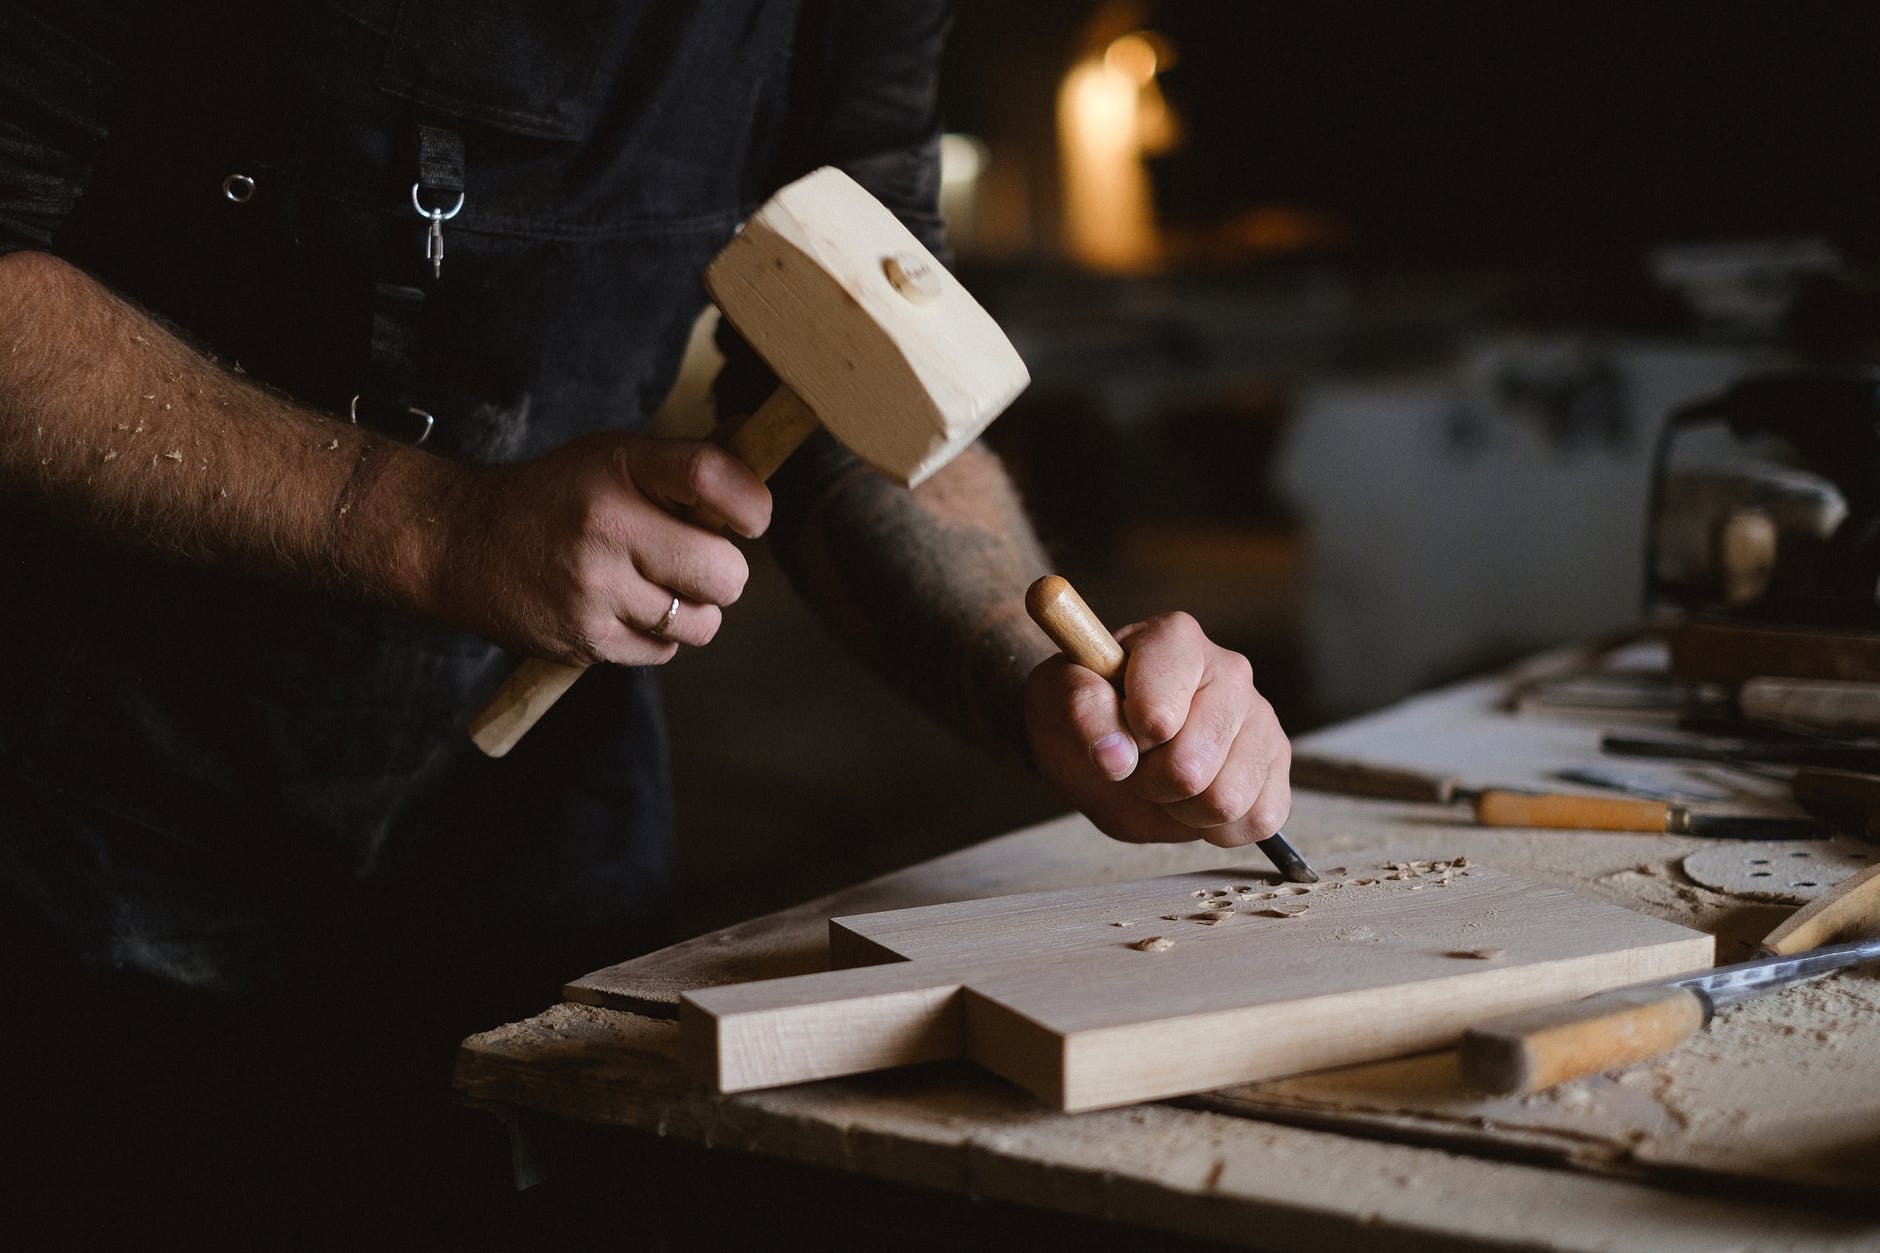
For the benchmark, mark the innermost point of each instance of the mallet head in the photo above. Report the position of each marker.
(888, 349)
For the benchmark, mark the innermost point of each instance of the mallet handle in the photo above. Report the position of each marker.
(763, 442)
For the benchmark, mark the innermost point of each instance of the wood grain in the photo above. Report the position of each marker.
(1058, 998)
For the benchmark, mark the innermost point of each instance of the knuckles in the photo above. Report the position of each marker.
(1157, 721)
(1192, 772)
(1269, 814)
(1089, 705)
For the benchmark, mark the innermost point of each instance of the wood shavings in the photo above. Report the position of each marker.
(1216, 915)
(1154, 944)
(1286, 910)
(1171, 917)
(175, 454)
(110, 454)
(1476, 954)
(1198, 893)
(1122, 924)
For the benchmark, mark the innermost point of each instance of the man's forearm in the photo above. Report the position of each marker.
(928, 586)
(110, 422)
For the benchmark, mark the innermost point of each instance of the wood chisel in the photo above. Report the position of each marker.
(1539, 1048)
(1834, 755)
(1057, 608)
(1514, 807)
(1836, 706)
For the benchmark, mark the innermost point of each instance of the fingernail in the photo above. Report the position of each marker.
(1115, 755)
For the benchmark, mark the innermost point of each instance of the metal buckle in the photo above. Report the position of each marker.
(375, 419)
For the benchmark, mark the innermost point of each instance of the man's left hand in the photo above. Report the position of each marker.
(1191, 750)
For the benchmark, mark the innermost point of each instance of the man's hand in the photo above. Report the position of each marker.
(1192, 751)
(576, 556)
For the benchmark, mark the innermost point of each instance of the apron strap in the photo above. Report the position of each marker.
(388, 401)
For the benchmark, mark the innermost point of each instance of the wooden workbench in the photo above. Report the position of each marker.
(1762, 1134)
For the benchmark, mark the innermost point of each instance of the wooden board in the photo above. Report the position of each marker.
(1051, 991)
(1732, 653)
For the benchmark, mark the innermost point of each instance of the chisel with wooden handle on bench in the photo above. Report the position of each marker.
(1515, 807)
(1539, 1048)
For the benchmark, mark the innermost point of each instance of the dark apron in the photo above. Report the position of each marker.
(223, 784)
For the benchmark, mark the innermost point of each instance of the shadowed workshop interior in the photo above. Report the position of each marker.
(1351, 329)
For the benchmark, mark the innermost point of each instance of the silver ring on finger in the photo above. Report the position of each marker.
(665, 624)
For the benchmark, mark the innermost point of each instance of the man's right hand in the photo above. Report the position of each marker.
(576, 556)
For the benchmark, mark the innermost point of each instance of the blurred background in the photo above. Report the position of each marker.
(1351, 326)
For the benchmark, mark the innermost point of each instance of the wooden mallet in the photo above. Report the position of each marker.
(872, 338)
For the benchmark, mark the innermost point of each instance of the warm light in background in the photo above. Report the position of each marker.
(963, 160)
(1111, 114)
(1133, 55)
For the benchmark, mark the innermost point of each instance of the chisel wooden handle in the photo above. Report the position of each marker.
(1056, 607)
(763, 442)
(1500, 808)
(1539, 1048)
(1849, 909)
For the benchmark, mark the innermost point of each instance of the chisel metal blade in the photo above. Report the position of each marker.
(1727, 985)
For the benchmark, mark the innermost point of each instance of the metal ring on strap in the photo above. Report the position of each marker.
(439, 215)
(352, 411)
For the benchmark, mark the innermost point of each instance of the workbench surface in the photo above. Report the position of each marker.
(1762, 1133)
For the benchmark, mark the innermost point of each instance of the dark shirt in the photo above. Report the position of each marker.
(213, 782)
